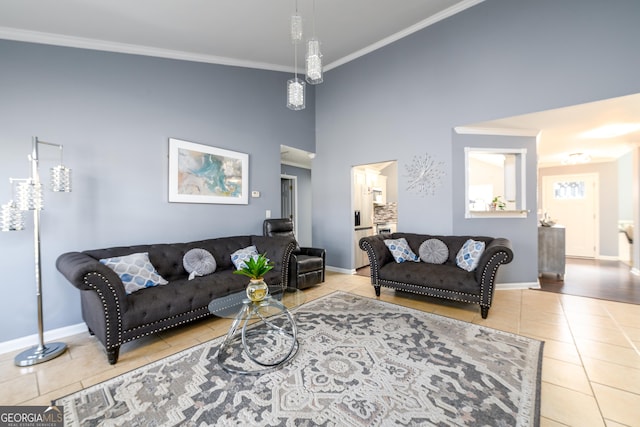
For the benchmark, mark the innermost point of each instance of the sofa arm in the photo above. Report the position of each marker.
(89, 274)
(496, 253)
(278, 250)
(377, 252)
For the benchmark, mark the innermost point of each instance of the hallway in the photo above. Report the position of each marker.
(609, 280)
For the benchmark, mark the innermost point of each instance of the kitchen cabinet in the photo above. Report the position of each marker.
(363, 198)
(379, 191)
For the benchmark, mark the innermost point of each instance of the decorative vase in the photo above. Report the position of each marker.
(257, 290)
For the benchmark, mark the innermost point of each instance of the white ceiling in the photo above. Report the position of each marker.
(560, 130)
(255, 33)
(249, 33)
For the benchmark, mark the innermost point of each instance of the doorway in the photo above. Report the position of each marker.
(374, 200)
(296, 191)
(572, 201)
(289, 199)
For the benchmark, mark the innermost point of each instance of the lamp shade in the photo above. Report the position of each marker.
(29, 195)
(296, 28)
(314, 62)
(11, 218)
(61, 179)
(295, 94)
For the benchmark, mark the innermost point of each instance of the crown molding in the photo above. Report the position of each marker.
(475, 130)
(457, 8)
(95, 44)
(16, 34)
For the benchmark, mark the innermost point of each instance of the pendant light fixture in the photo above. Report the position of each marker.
(295, 86)
(314, 56)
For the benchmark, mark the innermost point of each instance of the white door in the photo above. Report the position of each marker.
(572, 201)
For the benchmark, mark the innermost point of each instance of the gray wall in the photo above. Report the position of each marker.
(304, 202)
(497, 59)
(114, 114)
(608, 199)
(522, 232)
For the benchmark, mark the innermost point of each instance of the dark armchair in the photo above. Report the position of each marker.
(306, 265)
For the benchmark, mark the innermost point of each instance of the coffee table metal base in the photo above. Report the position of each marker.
(268, 344)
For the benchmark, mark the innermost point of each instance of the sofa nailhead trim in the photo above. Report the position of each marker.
(182, 322)
(108, 344)
(419, 288)
(494, 271)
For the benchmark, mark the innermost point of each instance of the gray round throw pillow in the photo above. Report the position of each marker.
(434, 251)
(199, 262)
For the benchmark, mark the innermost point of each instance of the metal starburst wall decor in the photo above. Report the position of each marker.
(425, 175)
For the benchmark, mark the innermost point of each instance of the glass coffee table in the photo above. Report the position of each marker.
(263, 335)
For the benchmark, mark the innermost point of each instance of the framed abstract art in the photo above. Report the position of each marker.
(203, 174)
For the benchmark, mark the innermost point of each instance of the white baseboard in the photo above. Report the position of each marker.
(340, 270)
(32, 340)
(512, 286)
(608, 258)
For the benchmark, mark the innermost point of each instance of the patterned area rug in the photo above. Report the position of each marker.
(361, 362)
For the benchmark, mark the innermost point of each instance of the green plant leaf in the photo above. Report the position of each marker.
(256, 267)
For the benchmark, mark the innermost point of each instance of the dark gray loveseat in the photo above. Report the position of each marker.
(438, 280)
(115, 317)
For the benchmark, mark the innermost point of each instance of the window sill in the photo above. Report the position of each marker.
(497, 214)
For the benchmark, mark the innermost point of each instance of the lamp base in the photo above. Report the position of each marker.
(39, 354)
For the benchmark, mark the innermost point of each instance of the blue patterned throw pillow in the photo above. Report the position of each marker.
(469, 254)
(135, 271)
(239, 257)
(400, 250)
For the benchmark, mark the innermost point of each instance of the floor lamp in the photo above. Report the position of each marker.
(29, 198)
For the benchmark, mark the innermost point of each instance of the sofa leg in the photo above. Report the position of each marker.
(112, 355)
(90, 332)
(484, 311)
(377, 288)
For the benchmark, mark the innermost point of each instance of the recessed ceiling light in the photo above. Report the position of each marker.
(611, 131)
(576, 158)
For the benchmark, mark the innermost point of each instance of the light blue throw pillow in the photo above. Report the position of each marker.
(239, 257)
(135, 271)
(433, 251)
(199, 262)
(400, 250)
(469, 254)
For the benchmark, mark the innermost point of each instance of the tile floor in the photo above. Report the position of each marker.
(590, 374)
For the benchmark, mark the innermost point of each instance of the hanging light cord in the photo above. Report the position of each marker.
(313, 21)
(295, 52)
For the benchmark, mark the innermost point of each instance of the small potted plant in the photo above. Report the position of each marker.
(255, 268)
(497, 203)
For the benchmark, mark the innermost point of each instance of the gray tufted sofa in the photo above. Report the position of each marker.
(446, 280)
(115, 317)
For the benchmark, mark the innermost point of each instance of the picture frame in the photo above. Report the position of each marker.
(204, 174)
